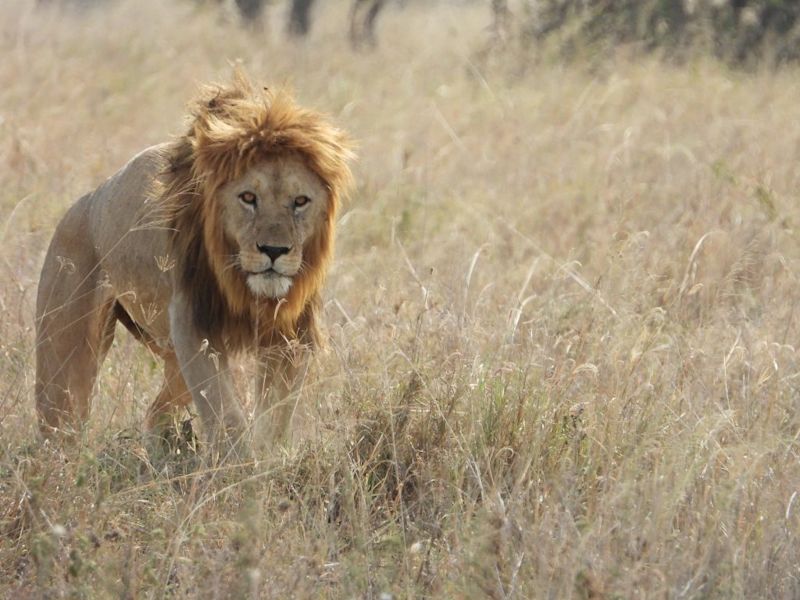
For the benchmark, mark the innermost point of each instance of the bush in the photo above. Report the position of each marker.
(741, 31)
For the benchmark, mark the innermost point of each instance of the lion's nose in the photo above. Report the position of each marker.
(274, 252)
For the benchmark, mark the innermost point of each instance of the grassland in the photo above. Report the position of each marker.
(563, 320)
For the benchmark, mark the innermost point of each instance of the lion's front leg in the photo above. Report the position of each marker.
(208, 378)
(279, 376)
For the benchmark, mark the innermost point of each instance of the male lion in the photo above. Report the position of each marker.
(215, 243)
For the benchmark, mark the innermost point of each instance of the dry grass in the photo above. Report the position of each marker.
(563, 319)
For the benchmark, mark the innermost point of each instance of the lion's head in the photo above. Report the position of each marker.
(267, 216)
(252, 191)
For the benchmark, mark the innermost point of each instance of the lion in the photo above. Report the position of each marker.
(214, 244)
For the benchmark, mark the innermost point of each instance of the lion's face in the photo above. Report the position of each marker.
(268, 215)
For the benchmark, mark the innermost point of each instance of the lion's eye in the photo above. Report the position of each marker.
(301, 201)
(248, 198)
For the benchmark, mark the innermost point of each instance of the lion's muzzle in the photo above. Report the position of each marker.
(269, 283)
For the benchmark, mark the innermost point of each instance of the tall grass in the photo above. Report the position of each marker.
(563, 325)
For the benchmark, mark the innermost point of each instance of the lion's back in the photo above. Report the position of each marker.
(131, 235)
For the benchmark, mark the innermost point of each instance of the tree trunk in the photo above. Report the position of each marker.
(362, 21)
(250, 9)
(300, 17)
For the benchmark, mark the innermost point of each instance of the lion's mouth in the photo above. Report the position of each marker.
(269, 272)
(269, 282)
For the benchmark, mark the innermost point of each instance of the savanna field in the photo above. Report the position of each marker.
(563, 322)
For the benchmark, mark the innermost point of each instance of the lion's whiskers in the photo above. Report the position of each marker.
(232, 261)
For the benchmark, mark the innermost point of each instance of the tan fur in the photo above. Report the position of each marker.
(152, 247)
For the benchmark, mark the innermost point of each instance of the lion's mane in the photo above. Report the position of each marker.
(232, 128)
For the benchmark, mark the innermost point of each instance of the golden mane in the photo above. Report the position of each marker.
(232, 128)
